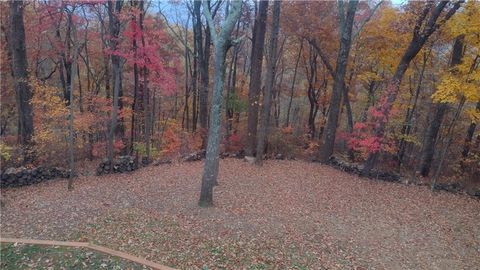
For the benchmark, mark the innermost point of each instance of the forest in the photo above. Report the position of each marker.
(268, 105)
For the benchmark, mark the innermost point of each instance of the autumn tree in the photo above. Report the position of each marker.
(254, 89)
(221, 41)
(346, 25)
(440, 110)
(459, 81)
(267, 98)
(113, 13)
(428, 21)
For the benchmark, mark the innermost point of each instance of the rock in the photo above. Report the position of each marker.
(279, 156)
(249, 159)
(145, 161)
(10, 171)
(448, 187)
(193, 157)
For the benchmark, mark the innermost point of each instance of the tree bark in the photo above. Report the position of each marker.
(292, 88)
(440, 110)
(20, 73)
(312, 93)
(71, 131)
(254, 87)
(267, 98)
(146, 100)
(470, 132)
(221, 42)
(116, 70)
(407, 126)
(346, 25)
(135, 80)
(449, 138)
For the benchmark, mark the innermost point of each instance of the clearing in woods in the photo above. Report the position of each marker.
(288, 214)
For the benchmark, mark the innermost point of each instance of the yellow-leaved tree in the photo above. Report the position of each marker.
(460, 84)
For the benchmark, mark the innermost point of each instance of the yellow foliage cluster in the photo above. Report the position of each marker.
(467, 23)
(51, 115)
(381, 43)
(463, 81)
(50, 118)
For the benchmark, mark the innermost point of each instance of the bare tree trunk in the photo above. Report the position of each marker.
(66, 61)
(407, 126)
(204, 57)
(232, 73)
(276, 98)
(186, 106)
(20, 74)
(71, 138)
(267, 98)
(254, 88)
(146, 102)
(135, 82)
(312, 77)
(346, 25)
(114, 30)
(221, 42)
(287, 121)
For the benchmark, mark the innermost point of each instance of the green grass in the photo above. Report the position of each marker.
(22, 256)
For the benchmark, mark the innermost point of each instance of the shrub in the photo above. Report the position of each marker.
(233, 143)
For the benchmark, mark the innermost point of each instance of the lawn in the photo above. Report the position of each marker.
(286, 215)
(19, 256)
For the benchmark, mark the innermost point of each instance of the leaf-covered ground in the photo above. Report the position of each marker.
(286, 215)
(19, 256)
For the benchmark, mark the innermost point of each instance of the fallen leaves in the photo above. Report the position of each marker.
(285, 215)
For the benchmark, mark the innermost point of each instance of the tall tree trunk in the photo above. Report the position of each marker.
(346, 25)
(204, 61)
(231, 89)
(254, 87)
(422, 31)
(198, 64)
(287, 121)
(440, 110)
(186, 106)
(20, 73)
(449, 138)
(146, 100)
(267, 98)
(71, 138)
(276, 98)
(221, 42)
(407, 126)
(66, 61)
(113, 12)
(135, 81)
